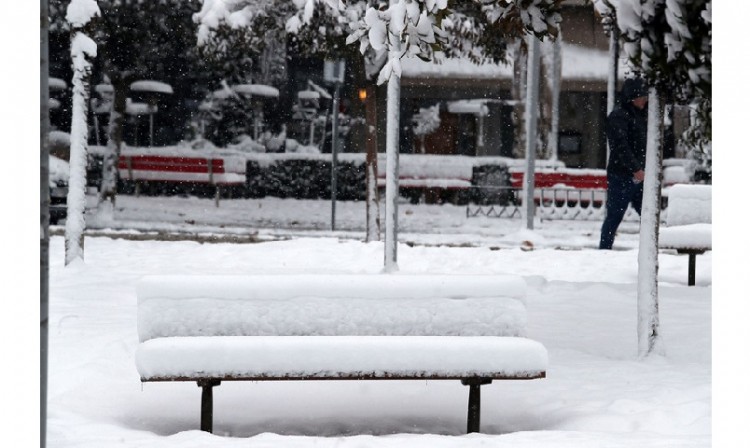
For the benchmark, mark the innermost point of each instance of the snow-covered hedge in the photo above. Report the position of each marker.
(305, 178)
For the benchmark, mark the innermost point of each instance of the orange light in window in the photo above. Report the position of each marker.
(362, 94)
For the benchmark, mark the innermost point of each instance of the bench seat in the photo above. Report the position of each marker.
(688, 236)
(688, 223)
(340, 357)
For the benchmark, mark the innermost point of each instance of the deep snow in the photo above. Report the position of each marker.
(581, 304)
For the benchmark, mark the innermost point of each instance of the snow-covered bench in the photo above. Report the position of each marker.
(688, 223)
(210, 329)
(178, 167)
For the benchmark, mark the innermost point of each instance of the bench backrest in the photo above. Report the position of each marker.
(689, 204)
(331, 305)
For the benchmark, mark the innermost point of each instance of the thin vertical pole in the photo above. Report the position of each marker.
(44, 217)
(556, 81)
(473, 419)
(334, 153)
(532, 103)
(207, 404)
(151, 128)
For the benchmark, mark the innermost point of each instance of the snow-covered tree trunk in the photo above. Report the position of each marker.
(391, 176)
(393, 109)
(649, 338)
(82, 50)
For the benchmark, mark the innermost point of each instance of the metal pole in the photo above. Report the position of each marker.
(151, 128)
(44, 217)
(334, 153)
(556, 81)
(532, 103)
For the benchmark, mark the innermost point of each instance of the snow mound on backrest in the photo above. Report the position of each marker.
(331, 305)
(689, 204)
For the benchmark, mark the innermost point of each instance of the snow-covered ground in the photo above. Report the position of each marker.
(581, 305)
(274, 218)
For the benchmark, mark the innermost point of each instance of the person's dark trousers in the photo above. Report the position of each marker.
(621, 191)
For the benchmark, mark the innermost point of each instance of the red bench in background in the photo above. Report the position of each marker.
(216, 171)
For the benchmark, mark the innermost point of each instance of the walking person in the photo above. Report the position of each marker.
(626, 128)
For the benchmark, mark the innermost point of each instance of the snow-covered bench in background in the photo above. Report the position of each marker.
(688, 223)
(210, 329)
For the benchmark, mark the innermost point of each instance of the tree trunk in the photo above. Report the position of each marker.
(108, 192)
(372, 199)
(518, 92)
(649, 338)
(614, 57)
(391, 177)
(76, 200)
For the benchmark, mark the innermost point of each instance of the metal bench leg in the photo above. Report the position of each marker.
(207, 404)
(472, 422)
(691, 269)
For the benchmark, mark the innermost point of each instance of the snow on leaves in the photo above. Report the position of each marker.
(669, 43)
(404, 28)
(408, 28)
(80, 12)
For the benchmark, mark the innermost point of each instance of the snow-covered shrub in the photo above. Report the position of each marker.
(425, 122)
(224, 116)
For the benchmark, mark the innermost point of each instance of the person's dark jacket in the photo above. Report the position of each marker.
(626, 131)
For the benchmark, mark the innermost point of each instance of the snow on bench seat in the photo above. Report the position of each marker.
(299, 357)
(688, 236)
(688, 223)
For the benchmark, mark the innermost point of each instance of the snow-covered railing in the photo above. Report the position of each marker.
(335, 327)
(559, 203)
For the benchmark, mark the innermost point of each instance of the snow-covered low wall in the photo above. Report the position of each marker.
(331, 305)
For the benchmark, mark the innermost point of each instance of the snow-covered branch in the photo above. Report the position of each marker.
(418, 27)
